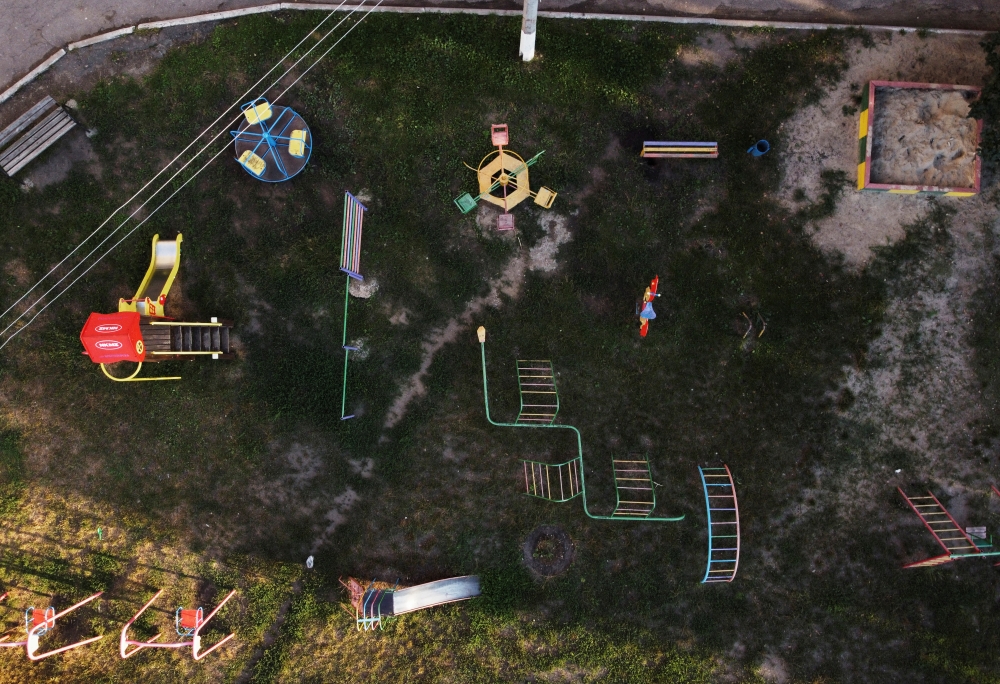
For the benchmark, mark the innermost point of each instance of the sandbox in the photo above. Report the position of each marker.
(919, 138)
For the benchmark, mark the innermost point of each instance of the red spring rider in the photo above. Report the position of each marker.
(646, 313)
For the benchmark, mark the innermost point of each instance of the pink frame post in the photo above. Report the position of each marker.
(3, 639)
(195, 643)
(31, 645)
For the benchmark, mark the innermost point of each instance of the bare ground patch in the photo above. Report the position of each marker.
(540, 257)
(824, 137)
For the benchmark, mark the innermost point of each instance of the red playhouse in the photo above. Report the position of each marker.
(142, 332)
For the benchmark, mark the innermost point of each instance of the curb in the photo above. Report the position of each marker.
(100, 38)
(31, 75)
(213, 16)
(302, 6)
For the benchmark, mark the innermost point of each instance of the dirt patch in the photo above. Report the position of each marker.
(336, 516)
(824, 137)
(774, 670)
(548, 551)
(718, 48)
(398, 316)
(920, 389)
(134, 55)
(18, 271)
(923, 137)
(74, 148)
(540, 257)
(363, 289)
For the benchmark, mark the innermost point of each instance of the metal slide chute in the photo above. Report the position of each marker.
(435, 594)
(163, 266)
(376, 602)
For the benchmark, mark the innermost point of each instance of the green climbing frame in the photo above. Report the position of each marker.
(539, 398)
(564, 481)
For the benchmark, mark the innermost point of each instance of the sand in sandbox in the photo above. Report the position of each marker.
(923, 137)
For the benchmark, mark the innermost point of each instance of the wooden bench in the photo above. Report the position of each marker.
(32, 133)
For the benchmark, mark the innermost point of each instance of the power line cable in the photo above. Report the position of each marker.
(183, 185)
(179, 155)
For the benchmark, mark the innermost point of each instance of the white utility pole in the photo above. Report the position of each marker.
(528, 26)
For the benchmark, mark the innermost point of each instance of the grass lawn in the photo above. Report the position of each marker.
(231, 477)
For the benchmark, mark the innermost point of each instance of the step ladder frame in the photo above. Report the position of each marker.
(949, 555)
(481, 335)
(538, 418)
(708, 578)
(541, 480)
(369, 617)
(624, 513)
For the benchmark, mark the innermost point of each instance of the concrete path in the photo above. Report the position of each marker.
(30, 30)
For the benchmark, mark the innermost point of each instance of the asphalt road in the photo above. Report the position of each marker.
(32, 29)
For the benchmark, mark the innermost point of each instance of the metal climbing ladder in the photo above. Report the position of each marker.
(947, 532)
(539, 397)
(552, 482)
(634, 482)
(723, 524)
(565, 481)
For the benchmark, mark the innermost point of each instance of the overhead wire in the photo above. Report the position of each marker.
(172, 161)
(165, 183)
(188, 163)
(182, 186)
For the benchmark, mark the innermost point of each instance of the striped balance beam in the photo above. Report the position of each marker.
(654, 150)
(350, 245)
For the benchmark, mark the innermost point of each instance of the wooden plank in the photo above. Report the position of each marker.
(23, 146)
(25, 120)
(55, 134)
(37, 133)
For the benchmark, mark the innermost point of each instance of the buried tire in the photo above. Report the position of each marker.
(548, 551)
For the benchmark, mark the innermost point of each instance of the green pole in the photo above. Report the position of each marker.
(579, 443)
(347, 352)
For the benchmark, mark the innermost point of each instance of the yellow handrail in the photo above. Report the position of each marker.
(132, 377)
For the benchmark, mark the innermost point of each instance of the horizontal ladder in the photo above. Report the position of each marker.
(552, 482)
(539, 397)
(634, 488)
(167, 340)
(723, 524)
(946, 531)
